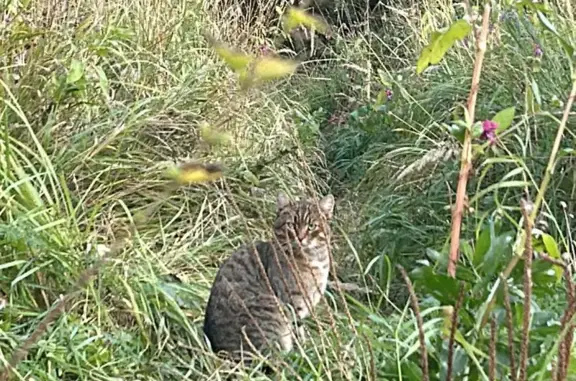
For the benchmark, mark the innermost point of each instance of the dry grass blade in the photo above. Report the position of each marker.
(420, 323)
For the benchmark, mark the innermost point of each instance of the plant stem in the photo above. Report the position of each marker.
(527, 208)
(466, 157)
(420, 323)
(492, 363)
(453, 328)
(510, 329)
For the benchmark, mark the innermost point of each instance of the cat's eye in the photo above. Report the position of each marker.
(312, 226)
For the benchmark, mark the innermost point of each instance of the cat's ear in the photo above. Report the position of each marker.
(327, 206)
(282, 201)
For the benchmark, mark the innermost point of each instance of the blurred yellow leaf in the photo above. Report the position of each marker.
(266, 69)
(269, 68)
(251, 68)
(213, 136)
(236, 60)
(192, 172)
(296, 17)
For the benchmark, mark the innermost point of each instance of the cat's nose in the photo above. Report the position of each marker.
(302, 233)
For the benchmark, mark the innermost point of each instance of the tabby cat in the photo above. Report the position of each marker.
(264, 287)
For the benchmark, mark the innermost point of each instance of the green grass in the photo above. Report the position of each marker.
(98, 99)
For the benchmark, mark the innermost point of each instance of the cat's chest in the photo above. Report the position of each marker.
(320, 270)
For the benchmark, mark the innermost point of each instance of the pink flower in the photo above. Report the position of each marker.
(489, 131)
(265, 50)
(538, 51)
(389, 94)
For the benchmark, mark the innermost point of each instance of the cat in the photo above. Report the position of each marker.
(261, 286)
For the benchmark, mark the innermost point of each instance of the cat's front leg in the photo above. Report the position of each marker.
(300, 331)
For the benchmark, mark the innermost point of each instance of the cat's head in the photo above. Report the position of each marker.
(304, 223)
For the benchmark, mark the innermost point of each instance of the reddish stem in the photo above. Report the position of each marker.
(466, 158)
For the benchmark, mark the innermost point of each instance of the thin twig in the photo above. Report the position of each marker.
(526, 208)
(466, 157)
(553, 261)
(453, 327)
(510, 329)
(419, 322)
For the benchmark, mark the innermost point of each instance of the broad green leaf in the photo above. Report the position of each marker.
(75, 72)
(441, 287)
(504, 118)
(552, 249)
(544, 277)
(483, 243)
(457, 131)
(436, 257)
(500, 251)
(551, 246)
(459, 364)
(440, 43)
(424, 59)
(411, 371)
(457, 31)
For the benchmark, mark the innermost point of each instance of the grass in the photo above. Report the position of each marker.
(98, 99)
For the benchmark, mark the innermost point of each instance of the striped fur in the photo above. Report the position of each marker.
(261, 287)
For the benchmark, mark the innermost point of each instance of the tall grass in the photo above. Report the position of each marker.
(98, 98)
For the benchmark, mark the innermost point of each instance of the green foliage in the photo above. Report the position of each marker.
(504, 119)
(95, 108)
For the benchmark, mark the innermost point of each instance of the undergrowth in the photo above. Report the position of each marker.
(98, 99)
